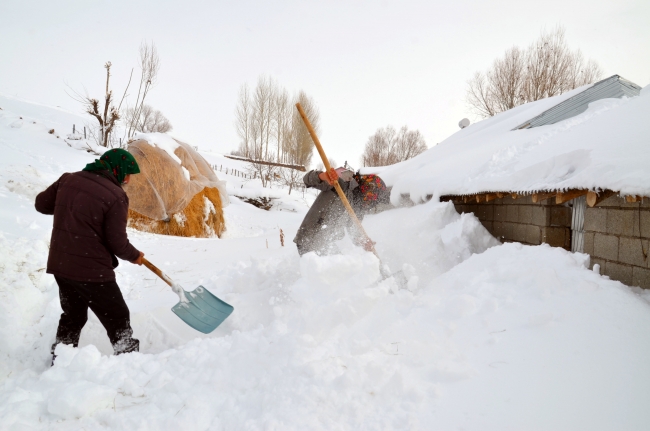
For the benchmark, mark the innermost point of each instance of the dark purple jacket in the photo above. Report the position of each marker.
(90, 211)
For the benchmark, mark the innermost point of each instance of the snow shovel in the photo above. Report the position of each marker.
(384, 273)
(199, 308)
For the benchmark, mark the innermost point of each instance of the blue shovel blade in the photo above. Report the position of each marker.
(203, 311)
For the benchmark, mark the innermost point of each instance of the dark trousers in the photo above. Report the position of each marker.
(106, 301)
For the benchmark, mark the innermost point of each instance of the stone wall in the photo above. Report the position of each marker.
(617, 233)
(613, 240)
(522, 220)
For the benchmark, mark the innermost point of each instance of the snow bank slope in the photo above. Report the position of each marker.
(604, 147)
(514, 338)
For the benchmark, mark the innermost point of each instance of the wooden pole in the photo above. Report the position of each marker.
(594, 198)
(538, 197)
(344, 198)
(563, 197)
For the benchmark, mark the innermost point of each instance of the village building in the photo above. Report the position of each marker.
(577, 183)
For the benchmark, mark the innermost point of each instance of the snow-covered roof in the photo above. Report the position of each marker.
(605, 147)
(609, 88)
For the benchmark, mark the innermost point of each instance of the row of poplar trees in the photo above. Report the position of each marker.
(271, 130)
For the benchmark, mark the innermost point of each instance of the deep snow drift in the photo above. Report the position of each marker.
(483, 337)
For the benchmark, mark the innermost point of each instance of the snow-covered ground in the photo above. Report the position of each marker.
(483, 337)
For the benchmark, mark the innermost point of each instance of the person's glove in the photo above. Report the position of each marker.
(331, 177)
(368, 244)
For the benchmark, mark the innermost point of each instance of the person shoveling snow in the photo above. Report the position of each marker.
(90, 215)
(327, 219)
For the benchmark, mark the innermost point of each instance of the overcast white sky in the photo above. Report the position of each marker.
(367, 64)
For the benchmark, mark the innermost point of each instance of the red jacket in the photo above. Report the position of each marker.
(90, 212)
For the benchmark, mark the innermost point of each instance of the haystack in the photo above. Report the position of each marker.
(177, 192)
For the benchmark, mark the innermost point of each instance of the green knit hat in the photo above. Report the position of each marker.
(118, 161)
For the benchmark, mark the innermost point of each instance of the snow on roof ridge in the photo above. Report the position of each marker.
(578, 103)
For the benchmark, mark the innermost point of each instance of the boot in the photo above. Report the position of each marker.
(127, 345)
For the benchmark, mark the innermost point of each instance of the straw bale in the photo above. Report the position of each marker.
(176, 191)
(167, 182)
(201, 218)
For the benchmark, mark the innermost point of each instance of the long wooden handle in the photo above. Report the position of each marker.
(158, 272)
(326, 162)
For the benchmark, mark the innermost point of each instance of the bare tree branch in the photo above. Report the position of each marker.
(546, 68)
(387, 146)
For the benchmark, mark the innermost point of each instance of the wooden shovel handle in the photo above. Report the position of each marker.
(158, 272)
(326, 162)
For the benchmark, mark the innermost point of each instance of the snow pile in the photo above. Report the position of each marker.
(483, 336)
(606, 147)
(165, 143)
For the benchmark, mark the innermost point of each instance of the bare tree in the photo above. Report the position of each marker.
(547, 68)
(387, 146)
(150, 120)
(243, 122)
(107, 116)
(300, 148)
(270, 129)
(282, 112)
(149, 66)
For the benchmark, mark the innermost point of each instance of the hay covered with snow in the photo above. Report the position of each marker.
(177, 192)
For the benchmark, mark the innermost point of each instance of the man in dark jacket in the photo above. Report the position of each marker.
(90, 213)
(327, 218)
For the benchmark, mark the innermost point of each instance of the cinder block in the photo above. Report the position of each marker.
(500, 213)
(634, 205)
(554, 236)
(560, 216)
(526, 214)
(641, 218)
(620, 202)
(611, 202)
(485, 212)
(512, 213)
(533, 234)
(616, 271)
(509, 227)
(601, 262)
(589, 243)
(519, 232)
(521, 201)
(606, 246)
(540, 216)
(641, 277)
(630, 251)
(596, 220)
(499, 229)
(488, 225)
(619, 222)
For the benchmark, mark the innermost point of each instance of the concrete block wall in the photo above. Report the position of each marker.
(617, 233)
(524, 221)
(617, 236)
